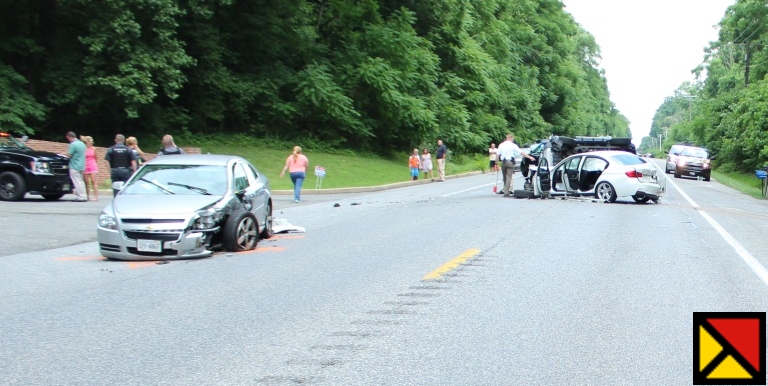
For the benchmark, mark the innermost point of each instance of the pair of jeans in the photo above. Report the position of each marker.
(298, 179)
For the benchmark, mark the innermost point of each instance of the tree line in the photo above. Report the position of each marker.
(377, 75)
(726, 108)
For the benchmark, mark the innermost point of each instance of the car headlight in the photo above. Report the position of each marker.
(207, 218)
(706, 165)
(41, 167)
(681, 162)
(107, 221)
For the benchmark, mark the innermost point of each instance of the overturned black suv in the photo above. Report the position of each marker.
(23, 170)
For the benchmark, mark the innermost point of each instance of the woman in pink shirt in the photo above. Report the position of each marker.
(297, 165)
(91, 168)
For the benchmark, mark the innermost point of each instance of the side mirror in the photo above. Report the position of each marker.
(712, 158)
(118, 185)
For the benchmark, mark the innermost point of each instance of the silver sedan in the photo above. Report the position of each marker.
(606, 175)
(187, 206)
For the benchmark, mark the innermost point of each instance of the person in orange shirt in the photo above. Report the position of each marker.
(297, 165)
(414, 162)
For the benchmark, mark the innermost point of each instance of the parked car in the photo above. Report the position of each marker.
(672, 155)
(603, 174)
(23, 170)
(694, 162)
(187, 206)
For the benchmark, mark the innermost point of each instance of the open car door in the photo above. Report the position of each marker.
(543, 179)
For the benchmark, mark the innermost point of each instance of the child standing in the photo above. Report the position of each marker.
(414, 163)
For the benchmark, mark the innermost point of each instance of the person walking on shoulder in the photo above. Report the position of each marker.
(122, 162)
(415, 164)
(76, 154)
(506, 154)
(169, 147)
(441, 153)
(426, 164)
(91, 169)
(296, 164)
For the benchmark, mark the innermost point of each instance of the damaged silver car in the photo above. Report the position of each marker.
(187, 206)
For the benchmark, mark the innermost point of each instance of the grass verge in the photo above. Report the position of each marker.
(744, 182)
(342, 170)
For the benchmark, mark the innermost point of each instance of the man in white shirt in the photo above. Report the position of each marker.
(506, 154)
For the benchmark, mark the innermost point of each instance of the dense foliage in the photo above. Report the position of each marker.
(364, 74)
(726, 111)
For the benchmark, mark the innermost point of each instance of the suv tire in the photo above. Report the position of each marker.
(12, 186)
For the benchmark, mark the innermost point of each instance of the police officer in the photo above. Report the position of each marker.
(122, 161)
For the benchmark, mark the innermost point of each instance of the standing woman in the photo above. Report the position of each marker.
(426, 164)
(133, 143)
(91, 168)
(297, 165)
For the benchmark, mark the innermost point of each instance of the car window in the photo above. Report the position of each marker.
(628, 159)
(251, 172)
(676, 149)
(178, 179)
(240, 177)
(573, 163)
(695, 152)
(594, 164)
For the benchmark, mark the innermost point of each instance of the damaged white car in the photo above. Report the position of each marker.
(603, 174)
(187, 206)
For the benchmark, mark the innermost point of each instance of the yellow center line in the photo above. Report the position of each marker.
(452, 264)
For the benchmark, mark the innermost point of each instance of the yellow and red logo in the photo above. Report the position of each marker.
(729, 348)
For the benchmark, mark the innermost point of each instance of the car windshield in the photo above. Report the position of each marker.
(8, 142)
(693, 152)
(628, 159)
(178, 179)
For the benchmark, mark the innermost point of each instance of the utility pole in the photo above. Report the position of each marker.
(660, 135)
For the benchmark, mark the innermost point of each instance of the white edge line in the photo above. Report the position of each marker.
(751, 261)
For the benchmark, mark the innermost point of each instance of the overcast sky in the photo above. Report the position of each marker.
(648, 48)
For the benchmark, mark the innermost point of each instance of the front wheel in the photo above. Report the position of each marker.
(605, 192)
(641, 200)
(267, 232)
(241, 232)
(12, 186)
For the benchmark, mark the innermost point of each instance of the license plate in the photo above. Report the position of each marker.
(149, 246)
(693, 173)
(66, 187)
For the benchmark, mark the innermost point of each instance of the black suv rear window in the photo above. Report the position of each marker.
(628, 159)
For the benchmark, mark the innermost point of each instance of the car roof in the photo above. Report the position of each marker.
(195, 159)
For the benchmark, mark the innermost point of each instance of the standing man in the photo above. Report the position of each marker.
(506, 153)
(441, 152)
(122, 161)
(76, 154)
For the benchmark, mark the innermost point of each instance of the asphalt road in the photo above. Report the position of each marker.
(374, 293)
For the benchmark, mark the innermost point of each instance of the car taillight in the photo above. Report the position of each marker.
(633, 174)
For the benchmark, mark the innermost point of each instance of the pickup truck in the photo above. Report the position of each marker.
(23, 170)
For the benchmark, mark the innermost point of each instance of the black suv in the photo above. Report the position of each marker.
(23, 170)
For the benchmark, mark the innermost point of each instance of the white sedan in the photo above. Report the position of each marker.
(605, 175)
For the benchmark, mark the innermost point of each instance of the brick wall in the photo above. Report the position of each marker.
(103, 174)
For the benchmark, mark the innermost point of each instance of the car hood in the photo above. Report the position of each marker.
(161, 204)
(41, 155)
